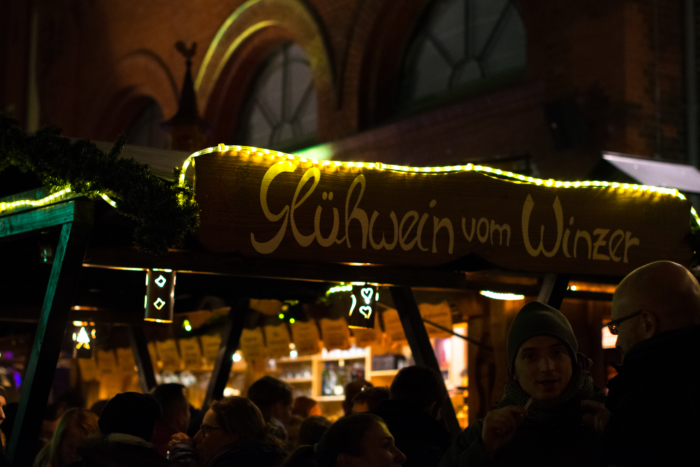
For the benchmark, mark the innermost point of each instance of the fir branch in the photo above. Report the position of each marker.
(163, 211)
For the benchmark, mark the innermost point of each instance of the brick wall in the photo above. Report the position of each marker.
(617, 66)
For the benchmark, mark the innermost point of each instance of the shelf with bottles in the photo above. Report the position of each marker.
(337, 373)
(295, 371)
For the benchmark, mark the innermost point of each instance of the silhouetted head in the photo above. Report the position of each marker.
(662, 296)
(420, 386)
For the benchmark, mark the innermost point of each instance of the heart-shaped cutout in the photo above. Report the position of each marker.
(367, 293)
(366, 311)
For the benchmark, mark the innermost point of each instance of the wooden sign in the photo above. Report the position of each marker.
(88, 369)
(167, 353)
(211, 345)
(392, 326)
(106, 362)
(306, 337)
(266, 307)
(253, 345)
(191, 353)
(440, 314)
(268, 204)
(366, 337)
(277, 340)
(126, 360)
(335, 334)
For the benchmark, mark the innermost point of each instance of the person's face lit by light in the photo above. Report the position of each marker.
(543, 367)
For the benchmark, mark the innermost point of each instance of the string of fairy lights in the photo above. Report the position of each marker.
(248, 152)
(276, 157)
(57, 196)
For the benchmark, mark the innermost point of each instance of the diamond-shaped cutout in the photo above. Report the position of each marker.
(159, 303)
(160, 282)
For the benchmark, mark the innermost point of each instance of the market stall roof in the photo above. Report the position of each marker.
(268, 215)
(682, 177)
(262, 215)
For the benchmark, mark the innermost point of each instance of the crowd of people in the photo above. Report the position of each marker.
(551, 413)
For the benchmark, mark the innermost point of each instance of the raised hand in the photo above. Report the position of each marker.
(596, 416)
(499, 427)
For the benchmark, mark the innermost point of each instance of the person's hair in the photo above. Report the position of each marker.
(351, 390)
(312, 429)
(239, 415)
(172, 401)
(83, 420)
(345, 436)
(267, 391)
(302, 406)
(372, 397)
(419, 386)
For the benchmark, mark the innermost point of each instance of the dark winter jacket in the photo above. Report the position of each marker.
(532, 445)
(118, 450)
(558, 439)
(249, 453)
(655, 403)
(419, 436)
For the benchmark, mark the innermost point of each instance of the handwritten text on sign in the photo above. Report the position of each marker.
(293, 210)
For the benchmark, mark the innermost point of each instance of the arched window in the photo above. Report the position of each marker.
(282, 111)
(146, 129)
(462, 46)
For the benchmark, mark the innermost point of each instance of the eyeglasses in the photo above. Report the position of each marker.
(612, 325)
(206, 429)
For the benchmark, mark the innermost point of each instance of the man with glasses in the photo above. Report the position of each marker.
(655, 399)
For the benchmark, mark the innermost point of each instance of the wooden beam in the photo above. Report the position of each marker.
(43, 218)
(230, 342)
(553, 289)
(55, 316)
(422, 351)
(234, 265)
(139, 347)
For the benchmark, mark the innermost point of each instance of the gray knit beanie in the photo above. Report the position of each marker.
(538, 319)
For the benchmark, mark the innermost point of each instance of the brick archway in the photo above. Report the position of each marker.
(139, 75)
(240, 46)
(375, 57)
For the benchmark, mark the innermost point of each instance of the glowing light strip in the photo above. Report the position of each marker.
(109, 200)
(47, 200)
(34, 203)
(505, 175)
(501, 296)
(340, 288)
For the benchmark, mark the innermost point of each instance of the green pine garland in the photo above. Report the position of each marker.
(163, 211)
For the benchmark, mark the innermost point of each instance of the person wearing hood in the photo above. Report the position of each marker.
(540, 420)
(655, 398)
(126, 424)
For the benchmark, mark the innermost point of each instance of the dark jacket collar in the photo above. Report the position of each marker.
(678, 345)
(669, 353)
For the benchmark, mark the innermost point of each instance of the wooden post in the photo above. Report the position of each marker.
(553, 289)
(55, 315)
(139, 347)
(418, 340)
(230, 341)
